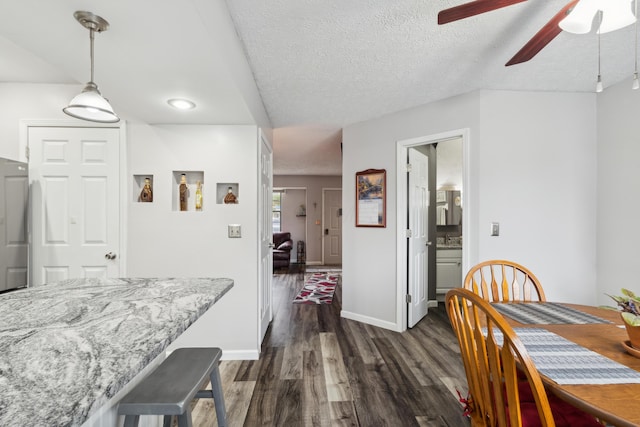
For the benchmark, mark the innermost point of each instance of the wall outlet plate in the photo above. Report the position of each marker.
(234, 231)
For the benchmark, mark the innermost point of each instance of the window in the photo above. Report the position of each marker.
(276, 208)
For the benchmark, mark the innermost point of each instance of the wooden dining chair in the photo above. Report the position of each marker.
(503, 281)
(505, 388)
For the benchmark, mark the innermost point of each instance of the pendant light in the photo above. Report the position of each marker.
(599, 82)
(636, 84)
(90, 104)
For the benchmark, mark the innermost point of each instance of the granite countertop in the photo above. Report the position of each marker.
(67, 348)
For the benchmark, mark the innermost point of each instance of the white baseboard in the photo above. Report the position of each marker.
(370, 321)
(240, 355)
(432, 303)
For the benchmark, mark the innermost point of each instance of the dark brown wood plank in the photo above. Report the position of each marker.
(377, 377)
(315, 409)
(263, 401)
(288, 409)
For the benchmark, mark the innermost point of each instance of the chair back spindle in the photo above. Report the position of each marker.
(504, 281)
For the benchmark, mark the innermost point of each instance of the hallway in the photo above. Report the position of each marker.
(317, 369)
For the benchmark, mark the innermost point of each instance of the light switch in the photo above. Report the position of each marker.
(495, 229)
(234, 230)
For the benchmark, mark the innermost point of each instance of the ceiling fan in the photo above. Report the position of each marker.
(575, 17)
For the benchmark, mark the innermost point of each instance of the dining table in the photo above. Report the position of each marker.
(594, 329)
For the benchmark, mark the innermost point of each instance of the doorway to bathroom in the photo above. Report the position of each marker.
(430, 227)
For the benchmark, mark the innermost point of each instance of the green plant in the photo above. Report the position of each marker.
(629, 305)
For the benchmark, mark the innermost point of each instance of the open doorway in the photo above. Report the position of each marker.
(290, 215)
(448, 187)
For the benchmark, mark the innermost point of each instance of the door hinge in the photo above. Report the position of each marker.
(409, 167)
(26, 152)
(408, 298)
(408, 233)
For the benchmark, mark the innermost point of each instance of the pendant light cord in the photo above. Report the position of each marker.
(91, 37)
(599, 34)
(636, 44)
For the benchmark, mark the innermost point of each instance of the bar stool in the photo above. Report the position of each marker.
(171, 387)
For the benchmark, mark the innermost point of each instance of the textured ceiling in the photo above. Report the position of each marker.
(332, 63)
(318, 65)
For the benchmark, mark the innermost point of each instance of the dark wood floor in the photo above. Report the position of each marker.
(317, 369)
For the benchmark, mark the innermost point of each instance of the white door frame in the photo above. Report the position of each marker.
(265, 290)
(123, 189)
(401, 205)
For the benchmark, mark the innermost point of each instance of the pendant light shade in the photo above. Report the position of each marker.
(90, 104)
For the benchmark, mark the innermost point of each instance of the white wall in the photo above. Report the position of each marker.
(369, 254)
(314, 185)
(163, 242)
(532, 168)
(618, 190)
(232, 57)
(20, 101)
(538, 177)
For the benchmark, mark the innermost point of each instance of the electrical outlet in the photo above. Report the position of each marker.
(495, 229)
(234, 230)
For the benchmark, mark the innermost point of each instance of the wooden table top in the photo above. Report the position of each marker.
(617, 404)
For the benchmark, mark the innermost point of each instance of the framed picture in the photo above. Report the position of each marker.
(371, 198)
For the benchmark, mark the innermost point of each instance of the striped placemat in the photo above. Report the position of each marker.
(544, 313)
(566, 362)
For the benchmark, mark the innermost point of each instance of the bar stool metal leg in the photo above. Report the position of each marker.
(218, 396)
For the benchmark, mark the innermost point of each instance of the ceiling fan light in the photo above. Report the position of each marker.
(615, 17)
(580, 19)
(91, 105)
(616, 14)
(599, 87)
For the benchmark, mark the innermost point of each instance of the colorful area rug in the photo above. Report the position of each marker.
(318, 289)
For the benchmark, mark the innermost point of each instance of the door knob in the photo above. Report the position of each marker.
(271, 245)
(429, 243)
(110, 255)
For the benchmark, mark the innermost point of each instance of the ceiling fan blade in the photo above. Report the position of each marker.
(472, 8)
(542, 37)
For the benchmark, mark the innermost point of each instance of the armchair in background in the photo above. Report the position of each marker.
(282, 246)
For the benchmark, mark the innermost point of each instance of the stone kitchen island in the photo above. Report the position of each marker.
(66, 349)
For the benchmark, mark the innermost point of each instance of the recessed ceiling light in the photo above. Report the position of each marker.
(181, 104)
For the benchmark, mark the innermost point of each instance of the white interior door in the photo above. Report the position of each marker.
(266, 236)
(332, 221)
(418, 273)
(74, 178)
(14, 239)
